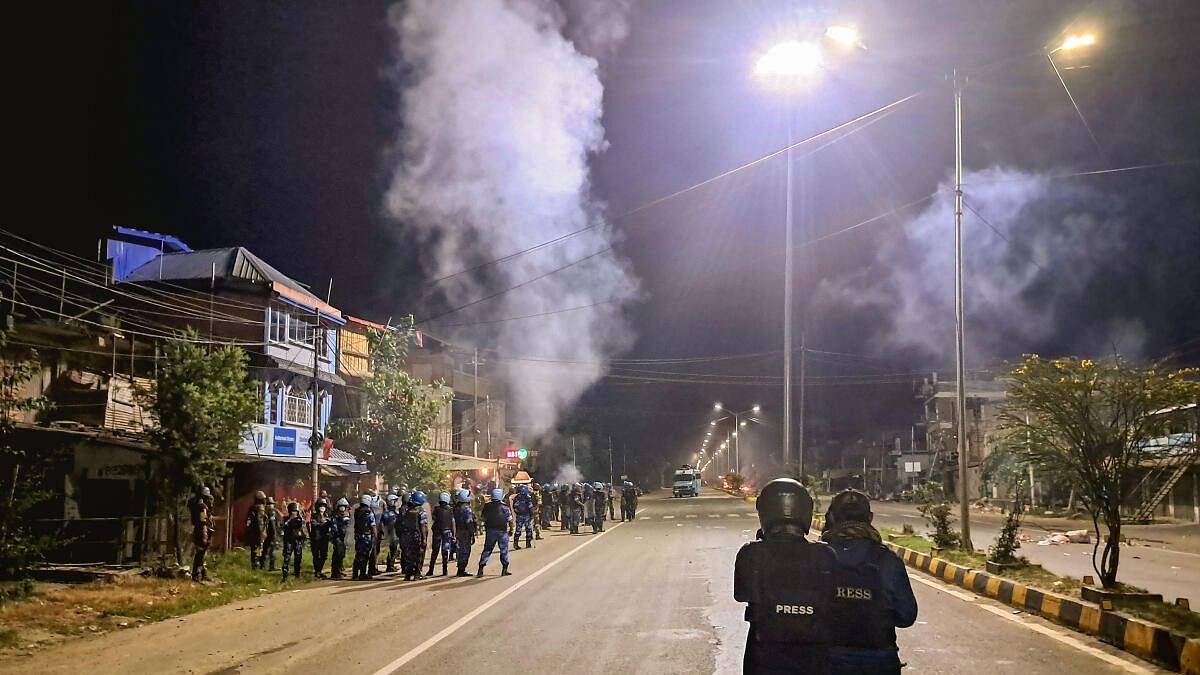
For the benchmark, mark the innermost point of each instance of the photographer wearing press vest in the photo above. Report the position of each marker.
(788, 583)
(872, 595)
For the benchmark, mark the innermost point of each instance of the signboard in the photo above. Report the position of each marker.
(258, 439)
(285, 442)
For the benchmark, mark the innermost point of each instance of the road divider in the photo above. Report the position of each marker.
(1139, 637)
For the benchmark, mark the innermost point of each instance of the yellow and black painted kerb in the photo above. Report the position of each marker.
(1144, 639)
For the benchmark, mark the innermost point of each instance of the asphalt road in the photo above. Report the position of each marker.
(1175, 574)
(650, 596)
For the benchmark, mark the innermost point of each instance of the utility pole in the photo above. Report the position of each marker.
(574, 457)
(800, 445)
(317, 440)
(610, 466)
(475, 403)
(787, 301)
(964, 511)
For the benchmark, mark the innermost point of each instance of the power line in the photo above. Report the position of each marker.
(885, 110)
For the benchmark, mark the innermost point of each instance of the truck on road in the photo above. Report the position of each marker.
(686, 483)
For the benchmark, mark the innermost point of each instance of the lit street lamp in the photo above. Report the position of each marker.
(738, 423)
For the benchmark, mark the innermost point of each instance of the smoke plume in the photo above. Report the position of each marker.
(501, 104)
(1037, 279)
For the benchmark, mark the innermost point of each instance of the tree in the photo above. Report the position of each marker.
(398, 414)
(20, 470)
(735, 480)
(202, 401)
(1090, 421)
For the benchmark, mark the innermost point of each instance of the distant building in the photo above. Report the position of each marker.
(984, 396)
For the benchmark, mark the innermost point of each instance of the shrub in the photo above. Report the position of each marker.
(1004, 550)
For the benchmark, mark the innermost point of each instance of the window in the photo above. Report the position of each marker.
(279, 325)
(296, 407)
(300, 331)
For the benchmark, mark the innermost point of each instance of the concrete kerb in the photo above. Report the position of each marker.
(1141, 638)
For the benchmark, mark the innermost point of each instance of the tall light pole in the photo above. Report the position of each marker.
(960, 405)
(786, 64)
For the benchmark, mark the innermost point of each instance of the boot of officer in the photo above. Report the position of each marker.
(872, 595)
(787, 582)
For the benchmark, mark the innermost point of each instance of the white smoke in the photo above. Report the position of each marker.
(1022, 285)
(500, 112)
(568, 473)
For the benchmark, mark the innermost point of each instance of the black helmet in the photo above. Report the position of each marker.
(848, 506)
(784, 500)
(293, 506)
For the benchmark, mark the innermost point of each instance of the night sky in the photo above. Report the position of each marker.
(270, 125)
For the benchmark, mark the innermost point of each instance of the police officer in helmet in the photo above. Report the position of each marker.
(787, 582)
(872, 596)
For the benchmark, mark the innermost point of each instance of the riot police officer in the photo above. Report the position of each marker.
(787, 582)
(599, 504)
(549, 506)
(523, 508)
(411, 529)
(387, 528)
(338, 531)
(256, 530)
(364, 537)
(200, 508)
(577, 506)
(464, 530)
(320, 531)
(443, 533)
(271, 541)
(294, 533)
(628, 501)
(496, 517)
(872, 595)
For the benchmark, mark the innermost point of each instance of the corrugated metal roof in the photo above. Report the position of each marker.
(230, 263)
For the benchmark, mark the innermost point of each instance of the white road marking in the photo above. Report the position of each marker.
(735, 515)
(668, 517)
(714, 515)
(692, 515)
(645, 518)
(413, 653)
(1038, 628)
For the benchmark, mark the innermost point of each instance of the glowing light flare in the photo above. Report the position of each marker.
(756, 409)
(789, 60)
(846, 36)
(1077, 41)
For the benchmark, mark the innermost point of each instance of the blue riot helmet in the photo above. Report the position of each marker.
(418, 498)
(627, 484)
(391, 499)
(365, 499)
(343, 502)
(464, 495)
(598, 485)
(497, 495)
(523, 490)
(444, 498)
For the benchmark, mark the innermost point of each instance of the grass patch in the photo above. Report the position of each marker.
(59, 611)
(1176, 618)
(8, 638)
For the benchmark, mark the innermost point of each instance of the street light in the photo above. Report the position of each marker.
(789, 60)
(846, 36)
(1075, 41)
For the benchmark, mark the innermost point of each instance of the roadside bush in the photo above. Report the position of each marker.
(939, 518)
(1004, 550)
(908, 530)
